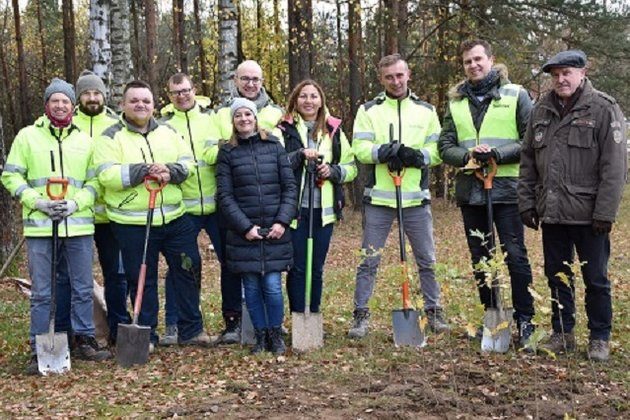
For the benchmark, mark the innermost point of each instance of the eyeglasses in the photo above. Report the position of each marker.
(180, 92)
(252, 80)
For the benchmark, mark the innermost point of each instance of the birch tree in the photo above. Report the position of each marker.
(228, 47)
(121, 63)
(100, 49)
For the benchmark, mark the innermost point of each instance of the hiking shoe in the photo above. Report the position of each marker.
(33, 367)
(202, 339)
(525, 331)
(598, 350)
(560, 343)
(232, 332)
(360, 324)
(170, 336)
(261, 341)
(88, 349)
(437, 323)
(276, 341)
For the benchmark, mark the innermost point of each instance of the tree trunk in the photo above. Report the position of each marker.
(300, 28)
(203, 70)
(8, 230)
(122, 66)
(42, 43)
(228, 47)
(150, 16)
(100, 49)
(403, 25)
(355, 84)
(138, 64)
(8, 96)
(25, 110)
(69, 48)
(179, 48)
(340, 61)
(391, 23)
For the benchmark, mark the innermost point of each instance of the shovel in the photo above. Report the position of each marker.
(53, 355)
(497, 322)
(133, 340)
(407, 330)
(307, 328)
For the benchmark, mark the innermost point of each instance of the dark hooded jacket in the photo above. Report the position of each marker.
(255, 186)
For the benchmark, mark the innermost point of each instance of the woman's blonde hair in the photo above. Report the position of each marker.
(320, 119)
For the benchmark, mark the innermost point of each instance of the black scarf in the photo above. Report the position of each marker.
(481, 88)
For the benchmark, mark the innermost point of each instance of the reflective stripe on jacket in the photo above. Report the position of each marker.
(40, 152)
(196, 126)
(94, 126)
(122, 145)
(416, 124)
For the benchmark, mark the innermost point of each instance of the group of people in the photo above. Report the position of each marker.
(241, 173)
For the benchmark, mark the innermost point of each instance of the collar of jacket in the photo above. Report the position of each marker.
(201, 103)
(261, 101)
(105, 113)
(583, 101)
(384, 97)
(457, 92)
(153, 124)
(44, 122)
(332, 123)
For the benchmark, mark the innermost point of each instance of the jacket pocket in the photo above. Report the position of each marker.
(582, 157)
(540, 133)
(581, 133)
(580, 203)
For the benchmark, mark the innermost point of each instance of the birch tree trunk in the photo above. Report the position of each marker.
(228, 47)
(121, 62)
(203, 70)
(69, 43)
(25, 110)
(300, 32)
(100, 49)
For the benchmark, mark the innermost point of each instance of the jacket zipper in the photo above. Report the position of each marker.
(192, 146)
(260, 201)
(146, 139)
(58, 138)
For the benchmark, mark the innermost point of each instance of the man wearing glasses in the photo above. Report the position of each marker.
(248, 81)
(191, 117)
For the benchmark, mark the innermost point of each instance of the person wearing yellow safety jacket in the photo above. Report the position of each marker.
(248, 80)
(92, 117)
(53, 147)
(191, 117)
(308, 134)
(486, 118)
(396, 132)
(125, 155)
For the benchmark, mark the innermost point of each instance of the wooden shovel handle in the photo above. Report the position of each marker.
(487, 176)
(57, 181)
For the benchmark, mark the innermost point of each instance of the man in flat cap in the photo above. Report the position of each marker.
(573, 170)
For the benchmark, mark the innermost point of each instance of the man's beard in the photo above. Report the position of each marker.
(91, 112)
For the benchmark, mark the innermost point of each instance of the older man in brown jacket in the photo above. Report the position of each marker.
(572, 174)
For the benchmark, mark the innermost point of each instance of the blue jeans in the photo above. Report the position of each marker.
(114, 280)
(511, 237)
(296, 279)
(263, 296)
(74, 261)
(559, 245)
(177, 242)
(210, 224)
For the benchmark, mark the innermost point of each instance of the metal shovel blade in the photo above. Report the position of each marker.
(497, 327)
(132, 344)
(307, 331)
(53, 355)
(248, 337)
(407, 330)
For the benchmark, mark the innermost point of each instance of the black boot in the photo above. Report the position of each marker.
(277, 341)
(525, 331)
(261, 341)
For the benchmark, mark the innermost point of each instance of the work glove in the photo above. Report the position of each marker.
(51, 207)
(484, 157)
(68, 207)
(601, 227)
(410, 157)
(387, 151)
(530, 218)
(395, 164)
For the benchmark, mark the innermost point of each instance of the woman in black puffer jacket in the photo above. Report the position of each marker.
(257, 195)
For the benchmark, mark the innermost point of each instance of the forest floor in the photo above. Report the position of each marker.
(368, 379)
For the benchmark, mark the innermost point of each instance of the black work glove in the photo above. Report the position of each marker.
(395, 164)
(601, 227)
(530, 218)
(387, 151)
(410, 157)
(484, 157)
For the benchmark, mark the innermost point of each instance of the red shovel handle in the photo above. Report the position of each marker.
(154, 186)
(57, 181)
(397, 177)
(487, 176)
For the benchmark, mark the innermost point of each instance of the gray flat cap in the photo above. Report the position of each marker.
(569, 58)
